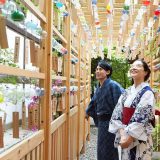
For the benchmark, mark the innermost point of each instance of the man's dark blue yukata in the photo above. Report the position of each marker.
(100, 109)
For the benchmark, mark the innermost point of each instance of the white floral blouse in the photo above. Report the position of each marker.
(139, 126)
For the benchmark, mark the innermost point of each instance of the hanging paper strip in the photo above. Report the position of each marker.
(15, 125)
(1, 133)
(3, 34)
(82, 18)
(54, 105)
(24, 116)
(32, 52)
(26, 51)
(16, 49)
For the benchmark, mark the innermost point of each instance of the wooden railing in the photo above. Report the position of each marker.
(29, 149)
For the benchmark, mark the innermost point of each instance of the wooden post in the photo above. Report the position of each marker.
(79, 85)
(67, 74)
(47, 50)
(15, 124)
(1, 133)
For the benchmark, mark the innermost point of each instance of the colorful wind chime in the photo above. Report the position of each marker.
(59, 47)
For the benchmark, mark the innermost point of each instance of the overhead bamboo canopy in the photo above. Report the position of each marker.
(121, 23)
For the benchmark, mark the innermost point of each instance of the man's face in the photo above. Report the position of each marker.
(101, 73)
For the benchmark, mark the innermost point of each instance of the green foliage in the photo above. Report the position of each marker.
(9, 79)
(120, 69)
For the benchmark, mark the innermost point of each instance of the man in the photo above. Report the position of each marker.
(101, 108)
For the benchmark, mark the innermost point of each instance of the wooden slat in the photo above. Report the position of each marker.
(34, 154)
(21, 149)
(73, 80)
(73, 56)
(58, 122)
(42, 151)
(54, 77)
(20, 72)
(55, 30)
(28, 156)
(74, 50)
(38, 153)
(34, 10)
(21, 31)
(73, 111)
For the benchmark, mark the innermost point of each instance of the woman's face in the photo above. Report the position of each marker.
(137, 71)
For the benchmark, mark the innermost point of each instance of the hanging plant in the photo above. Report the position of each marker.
(6, 58)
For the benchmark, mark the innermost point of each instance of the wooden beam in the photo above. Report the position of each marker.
(34, 10)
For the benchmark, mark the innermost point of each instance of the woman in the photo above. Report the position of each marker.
(133, 116)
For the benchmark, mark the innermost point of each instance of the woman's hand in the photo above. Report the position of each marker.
(126, 141)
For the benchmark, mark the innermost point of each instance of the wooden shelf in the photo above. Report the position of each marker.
(54, 77)
(20, 72)
(82, 81)
(55, 30)
(73, 110)
(21, 31)
(74, 50)
(34, 10)
(73, 56)
(73, 80)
